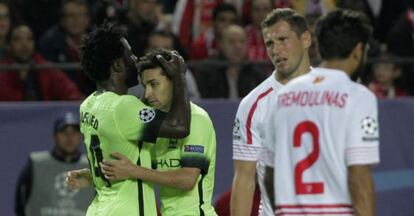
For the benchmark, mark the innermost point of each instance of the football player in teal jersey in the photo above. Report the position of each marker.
(184, 167)
(114, 122)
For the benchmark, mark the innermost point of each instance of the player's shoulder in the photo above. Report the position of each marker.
(197, 110)
(297, 82)
(268, 86)
(125, 101)
(87, 102)
(107, 100)
(360, 91)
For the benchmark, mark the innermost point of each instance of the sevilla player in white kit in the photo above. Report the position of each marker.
(287, 39)
(324, 129)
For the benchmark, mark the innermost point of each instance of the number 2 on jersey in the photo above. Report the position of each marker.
(306, 163)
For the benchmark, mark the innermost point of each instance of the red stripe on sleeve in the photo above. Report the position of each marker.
(339, 205)
(316, 213)
(251, 113)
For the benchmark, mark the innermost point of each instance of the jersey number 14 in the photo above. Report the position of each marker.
(97, 157)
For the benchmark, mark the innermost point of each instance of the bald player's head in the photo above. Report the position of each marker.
(233, 43)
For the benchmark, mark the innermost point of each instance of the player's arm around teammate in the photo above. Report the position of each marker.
(122, 168)
(178, 118)
(158, 87)
(77, 179)
(185, 167)
(176, 123)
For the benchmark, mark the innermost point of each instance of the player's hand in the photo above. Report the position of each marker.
(119, 169)
(77, 179)
(174, 66)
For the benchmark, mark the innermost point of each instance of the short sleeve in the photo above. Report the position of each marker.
(137, 121)
(200, 146)
(246, 135)
(362, 145)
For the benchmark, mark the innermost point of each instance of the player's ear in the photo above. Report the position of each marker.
(306, 38)
(358, 52)
(118, 65)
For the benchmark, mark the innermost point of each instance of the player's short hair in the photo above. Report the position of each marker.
(150, 61)
(223, 7)
(100, 49)
(296, 21)
(339, 31)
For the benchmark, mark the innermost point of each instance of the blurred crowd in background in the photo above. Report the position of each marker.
(220, 40)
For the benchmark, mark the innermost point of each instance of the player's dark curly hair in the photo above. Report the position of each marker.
(339, 31)
(150, 61)
(99, 50)
(296, 21)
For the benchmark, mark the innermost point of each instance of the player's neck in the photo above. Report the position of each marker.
(109, 85)
(342, 65)
(302, 69)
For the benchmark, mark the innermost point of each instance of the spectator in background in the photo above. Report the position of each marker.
(40, 15)
(205, 45)
(313, 7)
(401, 42)
(256, 49)
(139, 21)
(5, 23)
(61, 43)
(167, 40)
(389, 12)
(386, 76)
(105, 11)
(40, 187)
(192, 18)
(314, 57)
(359, 5)
(31, 84)
(234, 80)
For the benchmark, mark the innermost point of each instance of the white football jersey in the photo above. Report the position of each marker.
(248, 131)
(321, 123)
